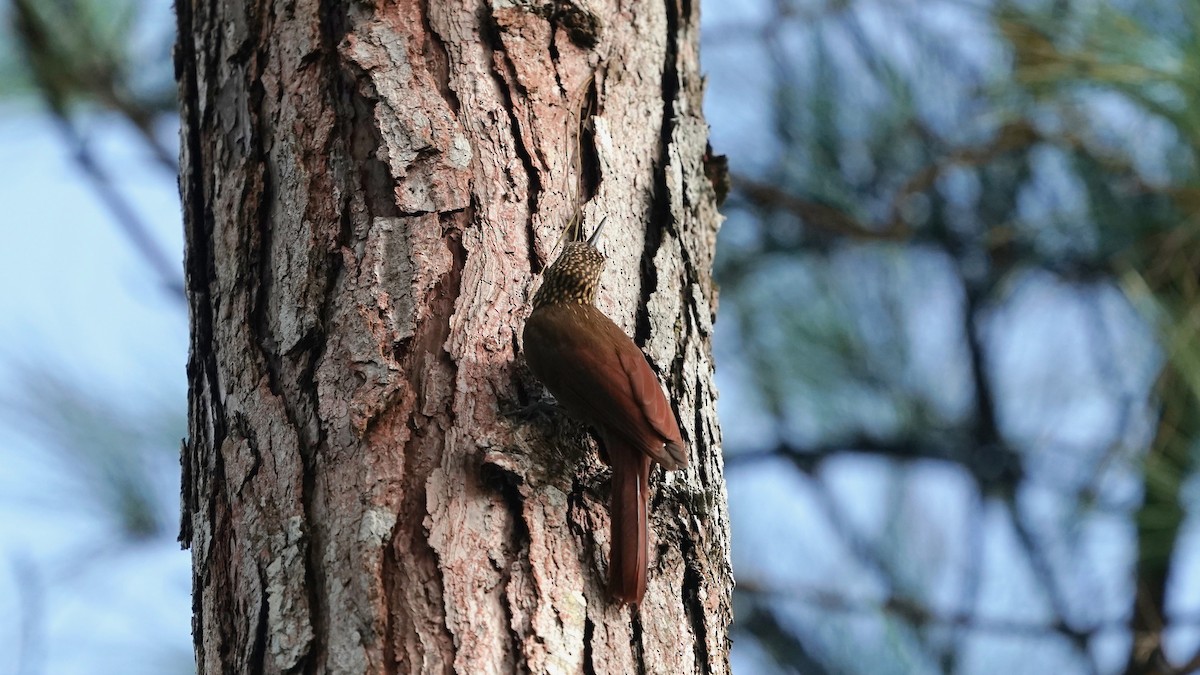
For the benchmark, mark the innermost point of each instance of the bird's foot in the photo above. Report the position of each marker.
(540, 410)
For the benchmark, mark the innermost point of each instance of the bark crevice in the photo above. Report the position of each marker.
(508, 485)
(438, 59)
(692, 583)
(369, 190)
(505, 82)
(662, 213)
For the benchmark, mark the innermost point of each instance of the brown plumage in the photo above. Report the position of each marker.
(601, 377)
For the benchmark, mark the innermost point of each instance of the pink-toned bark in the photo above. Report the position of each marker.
(370, 191)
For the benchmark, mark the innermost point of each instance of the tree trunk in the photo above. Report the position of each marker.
(370, 191)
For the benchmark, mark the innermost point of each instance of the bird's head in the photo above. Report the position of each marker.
(575, 275)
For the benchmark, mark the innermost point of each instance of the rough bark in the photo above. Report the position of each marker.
(370, 191)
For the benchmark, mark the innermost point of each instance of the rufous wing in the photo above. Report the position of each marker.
(601, 377)
(648, 395)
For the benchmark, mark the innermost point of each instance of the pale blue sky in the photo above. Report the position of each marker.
(78, 300)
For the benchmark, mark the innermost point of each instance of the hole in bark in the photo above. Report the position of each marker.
(582, 26)
(400, 349)
(589, 630)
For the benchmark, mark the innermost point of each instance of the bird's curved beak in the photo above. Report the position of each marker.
(596, 234)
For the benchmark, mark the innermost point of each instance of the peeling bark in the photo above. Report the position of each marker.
(370, 191)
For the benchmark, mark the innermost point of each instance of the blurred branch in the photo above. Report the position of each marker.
(785, 13)
(835, 221)
(969, 591)
(113, 460)
(30, 599)
(91, 69)
(1190, 667)
(70, 59)
(1043, 571)
(908, 610)
(828, 219)
(988, 438)
(865, 551)
(128, 222)
(991, 471)
(778, 641)
(1159, 521)
(809, 458)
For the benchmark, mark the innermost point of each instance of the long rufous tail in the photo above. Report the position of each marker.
(628, 552)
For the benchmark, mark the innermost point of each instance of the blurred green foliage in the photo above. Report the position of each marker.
(933, 163)
(109, 460)
(99, 52)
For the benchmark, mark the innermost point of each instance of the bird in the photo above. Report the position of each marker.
(601, 378)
